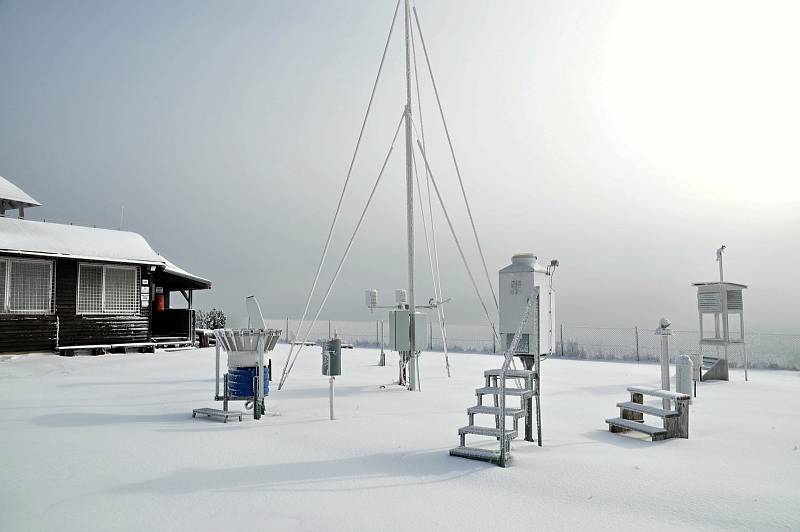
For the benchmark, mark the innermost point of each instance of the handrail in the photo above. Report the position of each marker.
(509, 356)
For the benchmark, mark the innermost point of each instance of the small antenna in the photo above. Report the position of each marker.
(122, 217)
(720, 251)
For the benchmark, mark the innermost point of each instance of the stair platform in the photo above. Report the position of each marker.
(213, 412)
(476, 453)
(516, 392)
(495, 410)
(618, 424)
(655, 392)
(487, 431)
(646, 409)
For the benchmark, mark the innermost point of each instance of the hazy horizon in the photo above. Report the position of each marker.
(627, 139)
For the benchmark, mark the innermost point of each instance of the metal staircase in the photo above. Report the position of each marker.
(714, 369)
(674, 422)
(497, 386)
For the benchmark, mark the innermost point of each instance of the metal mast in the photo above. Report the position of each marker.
(412, 367)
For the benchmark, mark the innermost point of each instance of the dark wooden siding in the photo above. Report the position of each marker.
(21, 333)
(78, 329)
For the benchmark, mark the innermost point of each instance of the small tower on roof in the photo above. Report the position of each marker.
(13, 197)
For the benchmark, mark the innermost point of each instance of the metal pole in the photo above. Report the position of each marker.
(382, 359)
(550, 331)
(330, 395)
(561, 327)
(430, 334)
(216, 374)
(287, 330)
(412, 370)
(744, 346)
(636, 330)
(329, 328)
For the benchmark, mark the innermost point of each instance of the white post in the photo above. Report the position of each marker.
(382, 359)
(744, 345)
(330, 395)
(216, 380)
(664, 332)
(412, 366)
(260, 346)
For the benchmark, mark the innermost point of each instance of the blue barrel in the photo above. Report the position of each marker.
(240, 381)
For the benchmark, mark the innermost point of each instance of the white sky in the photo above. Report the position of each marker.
(627, 139)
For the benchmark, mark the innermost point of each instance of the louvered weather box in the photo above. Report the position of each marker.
(717, 301)
(332, 357)
(516, 284)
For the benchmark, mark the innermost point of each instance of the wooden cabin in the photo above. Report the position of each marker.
(70, 288)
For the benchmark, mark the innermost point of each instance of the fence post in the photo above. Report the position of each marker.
(494, 344)
(636, 331)
(561, 327)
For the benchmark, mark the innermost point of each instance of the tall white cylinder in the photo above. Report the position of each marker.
(683, 375)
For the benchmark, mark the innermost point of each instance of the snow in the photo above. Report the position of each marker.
(93, 243)
(108, 443)
(11, 192)
(30, 237)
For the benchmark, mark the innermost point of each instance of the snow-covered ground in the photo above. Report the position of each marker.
(108, 443)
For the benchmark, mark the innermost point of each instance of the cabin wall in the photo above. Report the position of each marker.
(75, 329)
(20, 333)
(23, 333)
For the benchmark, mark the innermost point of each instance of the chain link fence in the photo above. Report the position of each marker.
(764, 350)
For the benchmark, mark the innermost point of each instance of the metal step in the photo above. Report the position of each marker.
(475, 453)
(492, 390)
(495, 410)
(486, 431)
(647, 409)
(510, 373)
(657, 433)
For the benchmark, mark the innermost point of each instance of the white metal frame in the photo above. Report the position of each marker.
(135, 311)
(5, 304)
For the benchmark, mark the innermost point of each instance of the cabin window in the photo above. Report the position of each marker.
(108, 289)
(26, 286)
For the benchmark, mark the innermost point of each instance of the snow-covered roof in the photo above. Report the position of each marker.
(30, 237)
(169, 267)
(14, 195)
(726, 283)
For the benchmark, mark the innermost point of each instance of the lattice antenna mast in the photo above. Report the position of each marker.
(412, 360)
